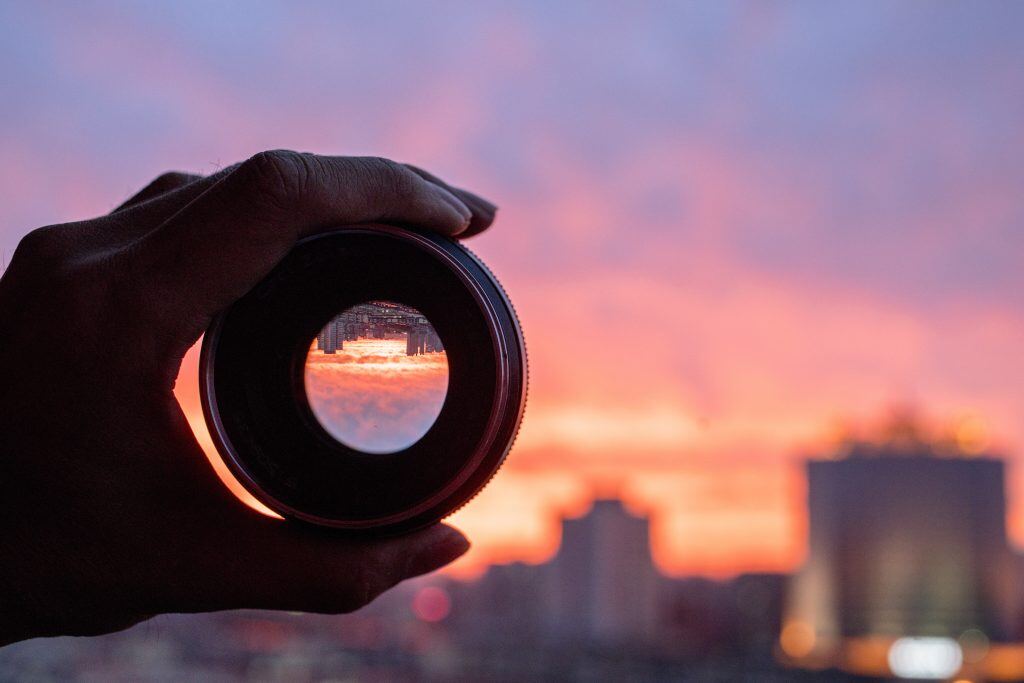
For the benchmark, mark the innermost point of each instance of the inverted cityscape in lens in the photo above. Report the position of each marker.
(376, 376)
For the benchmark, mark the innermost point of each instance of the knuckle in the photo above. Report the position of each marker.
(170, 180)
(46, 259)
(394, 178)
(79, 295)
(40, 245)
(79, 289)
(280, 177)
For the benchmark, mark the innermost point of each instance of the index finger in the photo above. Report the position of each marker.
(222, 243)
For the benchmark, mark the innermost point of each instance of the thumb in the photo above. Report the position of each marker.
(222, 243)
(288, 566)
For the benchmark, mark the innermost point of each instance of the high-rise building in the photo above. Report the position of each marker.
(332, 336)
(905, 542)
(602, 585)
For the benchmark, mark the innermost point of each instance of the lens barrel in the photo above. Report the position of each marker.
(255, 403)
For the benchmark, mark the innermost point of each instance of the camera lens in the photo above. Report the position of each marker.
(374, 381)
(376, 376)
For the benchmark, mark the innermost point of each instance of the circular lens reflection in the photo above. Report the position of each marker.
(376, 376)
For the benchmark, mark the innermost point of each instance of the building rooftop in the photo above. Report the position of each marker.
(904, 434)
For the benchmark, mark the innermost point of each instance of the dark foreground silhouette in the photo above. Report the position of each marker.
(109, 510)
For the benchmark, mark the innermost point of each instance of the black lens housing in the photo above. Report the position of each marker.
(254, 398)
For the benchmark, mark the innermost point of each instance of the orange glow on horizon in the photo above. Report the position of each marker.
(712, 515)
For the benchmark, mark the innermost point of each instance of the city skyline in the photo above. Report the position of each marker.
(600, 605)
(909, 575)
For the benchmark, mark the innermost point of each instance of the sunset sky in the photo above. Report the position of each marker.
(731, 231)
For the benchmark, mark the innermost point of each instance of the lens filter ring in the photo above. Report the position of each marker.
(260, 418)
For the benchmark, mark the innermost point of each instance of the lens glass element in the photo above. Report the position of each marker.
(376, 376)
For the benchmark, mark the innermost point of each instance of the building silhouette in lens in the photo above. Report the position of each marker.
(380, 320)
(332, 337)
(907, 539)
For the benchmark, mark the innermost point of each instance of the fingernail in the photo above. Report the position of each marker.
(489, 206)
(465, 212)
(450, 546)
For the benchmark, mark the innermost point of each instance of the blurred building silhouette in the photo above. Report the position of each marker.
(602, 585)
(601, 606)
(907, 539)
(601, 588)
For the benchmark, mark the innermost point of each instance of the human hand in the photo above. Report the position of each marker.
(109, 510)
